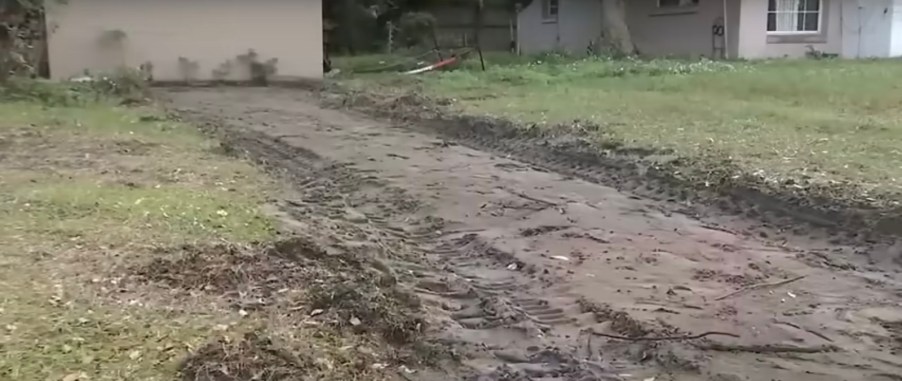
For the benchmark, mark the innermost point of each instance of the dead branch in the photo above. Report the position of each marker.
(534, 199)
(811, 331)
(760, 286)
(766, 348)
(665, 338)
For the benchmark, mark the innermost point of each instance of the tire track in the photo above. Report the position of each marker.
(481, 287)
(513, 264)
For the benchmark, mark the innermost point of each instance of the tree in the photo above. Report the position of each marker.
(615, 36)
(615, 33)
(21, 29)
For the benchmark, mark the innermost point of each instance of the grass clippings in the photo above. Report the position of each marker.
(251, 357)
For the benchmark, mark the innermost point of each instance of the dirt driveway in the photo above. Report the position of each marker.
(535, 275)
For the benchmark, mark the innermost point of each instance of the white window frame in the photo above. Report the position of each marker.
(547, 16)
(820, 23)
(691, 4)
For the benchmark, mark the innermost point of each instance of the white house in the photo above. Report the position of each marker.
(722, 28)
(187, 39)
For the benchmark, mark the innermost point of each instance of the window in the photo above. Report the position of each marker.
(793, 16)
(677, 3)
(550, 10)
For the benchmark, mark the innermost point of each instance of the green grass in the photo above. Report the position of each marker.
(811, 121)
(85, 192)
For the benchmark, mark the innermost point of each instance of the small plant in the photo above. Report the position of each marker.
(128, 84)
(125, 85)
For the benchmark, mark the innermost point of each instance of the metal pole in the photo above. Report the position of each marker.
(726, 31)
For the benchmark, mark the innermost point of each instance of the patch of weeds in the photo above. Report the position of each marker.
(124, 86)
(762, 118)
(88, 187)
(119, 212)
(99, 121)
(47, 332)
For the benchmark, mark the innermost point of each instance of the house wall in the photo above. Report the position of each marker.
(851, 28)
(754, 41)
(684, 32)
(578, 24)
(871, 28)
(895, 49)
(206, 33)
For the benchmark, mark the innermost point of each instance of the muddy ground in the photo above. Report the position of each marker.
(531, 274)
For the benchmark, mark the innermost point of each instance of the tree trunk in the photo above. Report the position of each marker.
(615, 33)
(348, 23)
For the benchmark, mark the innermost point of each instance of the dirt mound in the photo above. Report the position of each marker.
(343, 289)
(251, 357)
(224, 270)
(368, 309)
(335, 303)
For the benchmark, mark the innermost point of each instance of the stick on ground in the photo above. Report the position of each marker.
(766, 348)
(665, 338)
(760, 286)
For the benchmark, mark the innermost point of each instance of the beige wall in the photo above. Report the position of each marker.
(206, 33)
(578, 24)
(681, 32)
(754, 42)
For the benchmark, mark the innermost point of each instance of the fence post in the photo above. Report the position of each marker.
(391, 36)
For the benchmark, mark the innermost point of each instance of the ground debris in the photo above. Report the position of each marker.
(766, 348)
(621, 322)
(224, 269)
(295, 275)
(666, 338)
(358, 305)
(761, 286)
(252, 357)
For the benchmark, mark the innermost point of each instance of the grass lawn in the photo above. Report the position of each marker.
(132, 249)
(808, 122)
(85, 192)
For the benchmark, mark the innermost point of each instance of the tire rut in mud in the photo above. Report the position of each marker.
(565, 150)
(483, 301)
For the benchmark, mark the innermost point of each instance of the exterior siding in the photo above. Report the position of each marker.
(754, 41)
(871, 28)
(578, 24)
(851, 28)
(206, 33)
(681, 32)
(895, 49)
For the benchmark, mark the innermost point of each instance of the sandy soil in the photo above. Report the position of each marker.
(536, 275)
